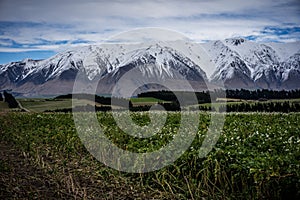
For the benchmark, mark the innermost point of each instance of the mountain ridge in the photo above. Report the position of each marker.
(236, 63)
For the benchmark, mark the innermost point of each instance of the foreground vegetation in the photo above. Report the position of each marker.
(256, 157)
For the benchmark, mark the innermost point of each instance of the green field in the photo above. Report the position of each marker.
(256, 157)
(42, 105)
(146, 101)
(3, 106)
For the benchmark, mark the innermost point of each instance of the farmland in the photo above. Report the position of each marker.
(145, 101)
(41, 105)
(3, 106)
(257, 157)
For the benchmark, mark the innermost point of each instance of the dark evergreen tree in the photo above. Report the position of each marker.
(10, 99)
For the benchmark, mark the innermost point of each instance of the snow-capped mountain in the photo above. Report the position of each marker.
(106, 63)
(236, 63)
(246, 64)
(164, 62)
(156, 64)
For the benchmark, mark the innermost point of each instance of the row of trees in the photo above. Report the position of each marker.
(104, 108)
(207, 96)
(262, 94)
(203, 97)
(187, 97)
(284, 107)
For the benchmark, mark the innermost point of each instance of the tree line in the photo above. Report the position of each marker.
(188, 97)
(284, 107)
(262, 94)
(208, 96)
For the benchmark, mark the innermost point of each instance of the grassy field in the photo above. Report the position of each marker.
(141, 101)
(3, 106)
(256, 157)
(145, 99)
(41, 105)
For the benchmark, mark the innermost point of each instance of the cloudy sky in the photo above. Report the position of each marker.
(38, 29)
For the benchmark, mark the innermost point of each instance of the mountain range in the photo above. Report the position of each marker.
(235, 63)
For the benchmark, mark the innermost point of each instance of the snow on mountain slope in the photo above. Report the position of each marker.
(163, 60)
(253, 53)
(157, 63)
(285, 50)
(236, 62)
(230, 68)
(251, 65)
(290, 77)
(98, 61)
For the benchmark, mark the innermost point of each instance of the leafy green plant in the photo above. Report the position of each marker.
(257, 156)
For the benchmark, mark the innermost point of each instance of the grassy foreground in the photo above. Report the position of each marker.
(256, 157)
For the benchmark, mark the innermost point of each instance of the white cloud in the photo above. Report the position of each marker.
(91, 10)
(95, 21)
(12, 50)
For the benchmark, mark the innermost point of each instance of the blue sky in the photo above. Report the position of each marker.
(39, 29)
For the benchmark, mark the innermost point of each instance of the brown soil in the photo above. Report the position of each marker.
(21, 180)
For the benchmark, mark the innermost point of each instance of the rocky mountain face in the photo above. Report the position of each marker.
(106, 64)
(235, 63)
(245, 64)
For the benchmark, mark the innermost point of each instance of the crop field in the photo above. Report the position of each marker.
(256, 157)
(146, 101)
(3, 106)
(42, 105)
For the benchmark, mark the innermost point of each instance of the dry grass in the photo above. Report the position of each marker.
(23, 176)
